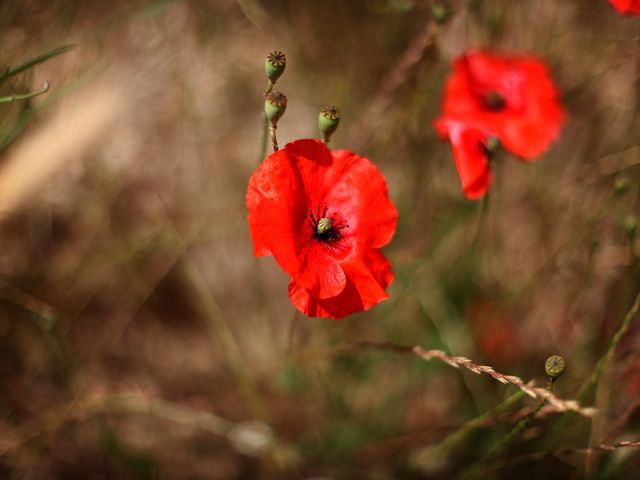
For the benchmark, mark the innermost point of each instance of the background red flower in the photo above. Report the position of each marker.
(512, 98)
(323, 215)
(626, 6)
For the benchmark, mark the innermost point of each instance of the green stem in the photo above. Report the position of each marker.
(484, 209)
(290, 331)
(34, 61)
(265, 126)
(220, 330)
(456, 437)
(604, 360)
(473, 471)
(24, 96)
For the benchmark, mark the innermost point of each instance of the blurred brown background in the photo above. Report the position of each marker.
(139, 338)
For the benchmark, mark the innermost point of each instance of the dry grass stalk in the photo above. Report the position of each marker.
(626, 443)
(565, 452)
(78, 125)
(531, 390)
(398, 74)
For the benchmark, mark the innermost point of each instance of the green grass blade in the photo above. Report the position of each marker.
(35, 61)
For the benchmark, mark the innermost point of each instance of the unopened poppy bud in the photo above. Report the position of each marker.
(274, 65)
(275, 104)
(328, 122)
(554, 366)
(441, 11)
(621, 186)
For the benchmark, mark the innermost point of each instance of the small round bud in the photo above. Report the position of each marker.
(630, 225)
(621, 186)
(275, 104)
(554, 366)
(492, 144)
(324, 225)
(274, 65)
(441, 11)
(328, 121)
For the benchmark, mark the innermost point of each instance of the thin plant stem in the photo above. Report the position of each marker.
(604, 360)
(291, 330)
(474, 470)
(157, 407)
(457, 362)
(24, 96)
(221, 331)
(274, 139)
(482, 216)
(458, 435)
(373, 119)
(139, 404)
(595, 384)
(538, 456)
(519, 427)
(34, 61)
(265, 126)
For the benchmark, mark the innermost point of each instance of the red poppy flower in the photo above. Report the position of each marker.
(471, 155)
(323, 215)
(626, 6)
(509, 98)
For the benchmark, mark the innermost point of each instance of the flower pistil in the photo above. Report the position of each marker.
(326, 228)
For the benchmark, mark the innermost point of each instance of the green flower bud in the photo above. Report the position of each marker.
(554, 366)
(621, 186)
(441, 11)
(328, 122)
(275, 104)
(274, 65)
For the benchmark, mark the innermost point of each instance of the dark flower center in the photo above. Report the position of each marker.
(325, 228)
(493, 101)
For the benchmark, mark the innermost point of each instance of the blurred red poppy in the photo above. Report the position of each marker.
(471, 156)
(323, 215)
(509, 98)
(626, 6)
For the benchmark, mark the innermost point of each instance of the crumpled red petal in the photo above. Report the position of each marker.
(471, 157)
(365, 287)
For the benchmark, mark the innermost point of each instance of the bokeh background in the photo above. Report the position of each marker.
(139, 338)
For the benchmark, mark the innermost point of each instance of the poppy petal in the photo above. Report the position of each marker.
(274, 212)
(321, 274)
(471, 159)
(364, 288)
(370, 214)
